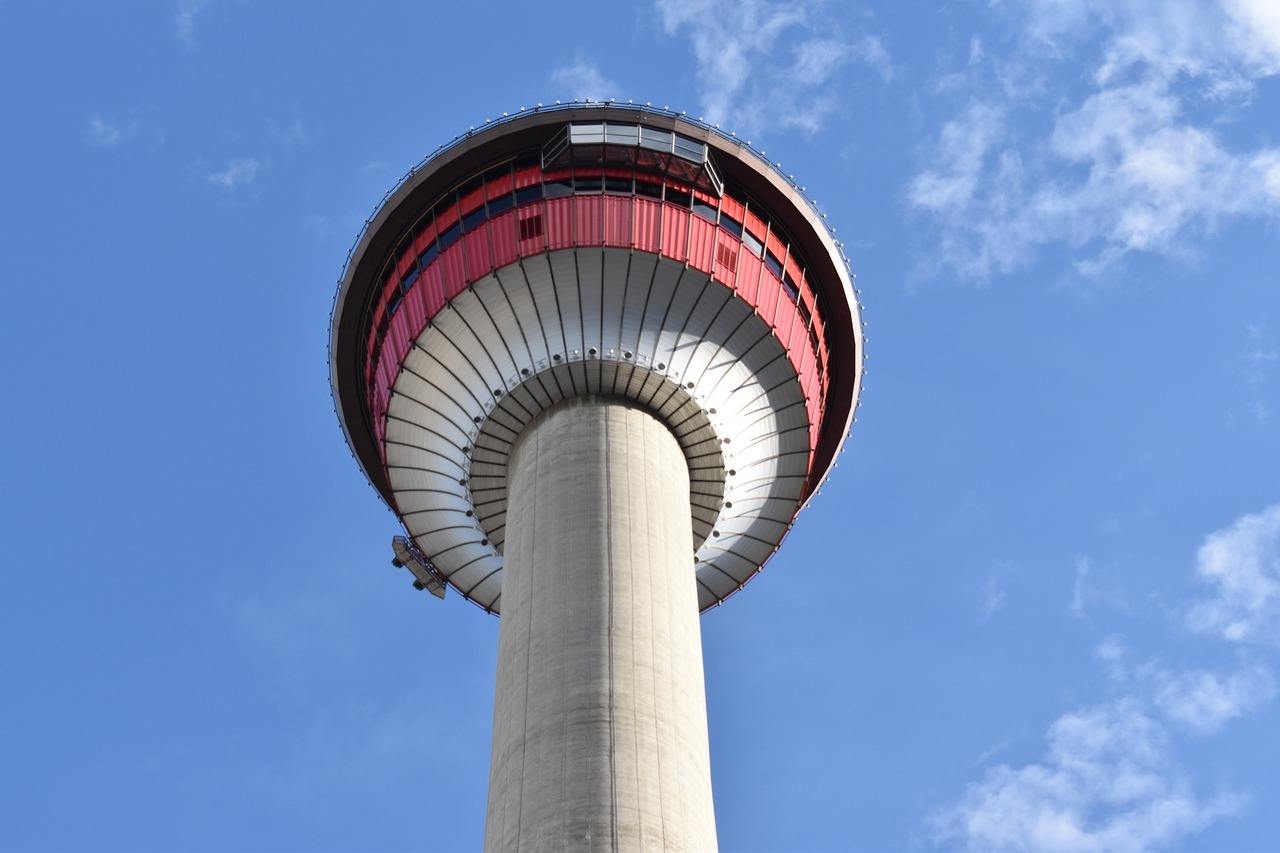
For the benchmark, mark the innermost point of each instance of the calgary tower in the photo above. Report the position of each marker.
(596, 357)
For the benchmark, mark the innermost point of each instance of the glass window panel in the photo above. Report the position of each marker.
(658, 140)
(752, 244)
(410, 277)
(617, 185)
(524, 195)
(689, 149)
(580, 133)
(501, 204)
(704, 210)
(646, 188)
(556, 189)
(471, 221)
(775, 267)
(450, 235)
(428, 255)
(730, 224)
(622, 134)
(588, 184)
(677, 197)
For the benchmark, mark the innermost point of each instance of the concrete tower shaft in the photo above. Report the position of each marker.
(600, 729)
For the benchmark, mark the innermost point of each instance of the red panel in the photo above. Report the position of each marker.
(432, 285)
(706, 198)
(784, 316)
(647, 225)
(617, 221)
(726, 259)
(426, 238)
(557, 175)
(502, 186)
(476, 253)
(773, 244)
(446, 218)
(702, 244)
(528, 176)
(558, 223)
(415, 306)
(768, 295)
(675, 232)
(589, 210)
(397, 340)
(749, 267)
(733, 207)
(615, 172)
(502, 238)
(471, 200)
(756, 226)
(451, 270)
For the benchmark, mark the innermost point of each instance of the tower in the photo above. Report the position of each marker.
(596, 358)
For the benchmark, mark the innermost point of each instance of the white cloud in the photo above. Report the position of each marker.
(105, 132)
(239, 172)
(184, 19)
(1204, 701)
(582, 78)
(1242, 564)
(993, 599)
(1108, 781)
(1125, 168)
(766, 64)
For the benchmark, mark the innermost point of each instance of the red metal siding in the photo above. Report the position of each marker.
(503, 232)
(558, 223)
(617, 221)
(455, 281)
(647, 225)
(675, 232)
(476, 254)
(589, 211)
(702, 244)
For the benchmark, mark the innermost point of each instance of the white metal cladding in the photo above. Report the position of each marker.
(665, 334)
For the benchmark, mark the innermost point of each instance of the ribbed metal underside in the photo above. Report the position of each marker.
(580, 321)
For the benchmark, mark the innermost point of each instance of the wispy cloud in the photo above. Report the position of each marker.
(106, 132)
(1109, 778)
(1128, 167)
(237, 173)
(1241, 564)
(993, 599)
(765, 64)
(582, 78)
(1108, 781)
(184, 19)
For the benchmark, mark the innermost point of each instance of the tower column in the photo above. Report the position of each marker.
(600, 722)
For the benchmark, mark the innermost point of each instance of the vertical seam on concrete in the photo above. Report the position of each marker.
(608, 528)
(524, 733)
(628, 417)
(653, 646)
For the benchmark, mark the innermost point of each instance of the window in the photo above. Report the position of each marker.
(646, 188)
(753, 245)
(587, 184)
(450, 235)
(428, 255)
(704, 210)
(775, 267)
(501, 204)
(524, 195)
(473, 220)
(531, 227)
(410, 277)
(731, 225)
(617, 185)
(622, 134)
(394, 305)
(556, 189)
(679, 198)
(658, 140)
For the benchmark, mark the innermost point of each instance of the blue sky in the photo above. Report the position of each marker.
(1037, 606)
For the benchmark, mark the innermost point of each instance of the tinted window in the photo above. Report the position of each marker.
(501, 204)
(679, 198)
(428, 255)
(730, 224)
(704, 210)
(394, 305)
(587, 185)
(752, 244)
(472, 220)
(556, 189)
(450, 235)
(647, 189)
(617, 185)
(409, 278)
(524, 195)
(775, 267)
